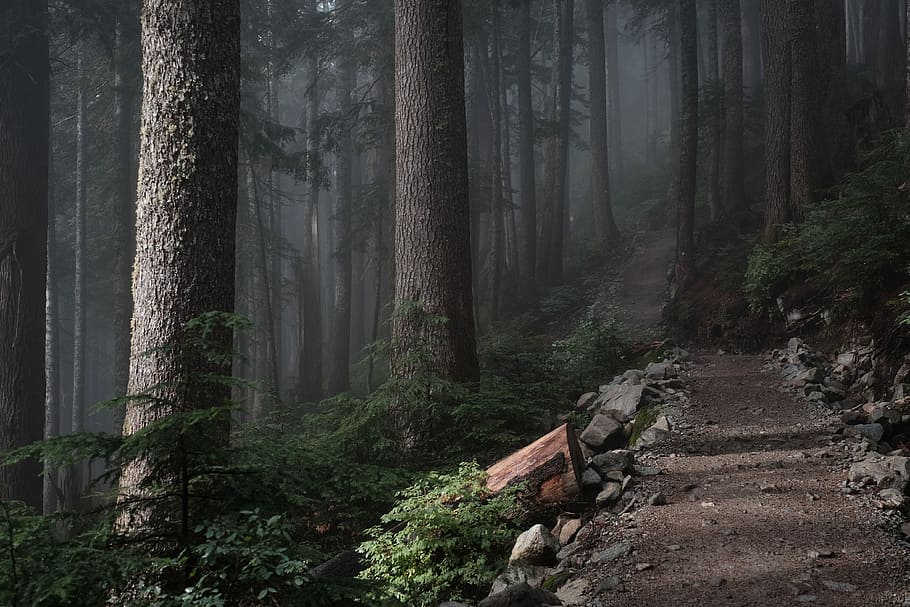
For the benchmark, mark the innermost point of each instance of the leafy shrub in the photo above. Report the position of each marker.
(447, 538)
(849, 249)
(590, 354)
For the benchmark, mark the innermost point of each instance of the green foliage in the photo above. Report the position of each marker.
(447, 538)
(591, 353)
(850, 248)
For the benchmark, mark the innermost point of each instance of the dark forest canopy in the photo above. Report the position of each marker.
(304, 251)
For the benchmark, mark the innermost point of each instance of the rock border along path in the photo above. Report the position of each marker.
(755, 515)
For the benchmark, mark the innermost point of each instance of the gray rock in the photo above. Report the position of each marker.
(618, 460)
(839, 586)
(612, 553)
(611, 583)
(586, 400)
(657, 433)
(902, 374)
(590, 478)
(812, 375)
(795, 345)
(609, 494)
(600, 431)
(620, 401)
(848, 359)
(881, 470)
(521, 595)
(517, 573)
(633, 376)
(872, 432)
(658, 499)
(901, 391)
(661, 370)
(640, 470)
(573, 592)
(890, 499)
(536, 546)
(568, 531)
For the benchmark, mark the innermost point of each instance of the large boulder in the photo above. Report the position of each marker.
(601, 431)
(620, 401)
(521, 595)
(620, 460)
(881, 470)
(872, 432)
(536, 546)
(661, 370)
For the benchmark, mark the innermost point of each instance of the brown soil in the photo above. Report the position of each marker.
(644, 281)
(755, 514)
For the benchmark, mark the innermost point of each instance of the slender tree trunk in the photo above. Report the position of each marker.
(733, 196)
(647, 53)
(432, 224)
(804, 107)
(716, 113)
(276, 240)
(339, 376)
(494, 89)
(673, 58)
(776, 50)
(684, 270)
(74, 484)
(526, 146)
(187, 204)
(907, 70)
(871, 25)
(511, 226)
(604, 225)
(889, 68)
(124, 219)
(753, 48)
(552, 232)
(52, 348)
(854, 32)
(614, 106)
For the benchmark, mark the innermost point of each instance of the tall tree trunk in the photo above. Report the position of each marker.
(716, 112)
(753, 47)
(187, 205)
(604, 225)
(276, 240)
(526, 146)
(432, 226)
(871, 25)
(889, 68)
(511, 226)
(907, 69)
(854, 31)
(310, 374)
(805, 101)
(339, 375)
(688, 145)
(494, 88)
(647, 53)
(732, 179)
(776, 50)
(124, 220)
(77, 424)
(614, 106)
(52, 348)
(552, 231)
(673, 58)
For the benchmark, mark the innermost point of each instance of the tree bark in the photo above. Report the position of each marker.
(604, 225)
(52, 347)
(339, 375)
(526, 146)
(614, 105)
(732, 178)
(907, 70)
(753, 47)
(24, 107)
(494, 88)
(550, 262)
(776, 50)
(836, 148)
(433, 300)
(187, 204)
(805, 100)
(684, 270)
(716, 109)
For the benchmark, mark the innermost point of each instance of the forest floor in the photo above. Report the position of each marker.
(755, 515)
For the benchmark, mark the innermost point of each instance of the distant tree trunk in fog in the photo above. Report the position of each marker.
(185, 224)
(673, 57)
(776, 50)
(752, 44)
(276, 240)
(871, 25)
(732, 178)
(310, 371)
(52, 347)
(339, 375)
(124, 215)
(684, 269)
(805, 100)
(526, 145)
(432, 224)
(835, 148)
(649, 51)
(74, 481)
(614, 108)
(494, 87)
(888, 66)
(550, 264)
(604, 225)
(854, 31)
(716, 111)
(268, 358)
(511, 227)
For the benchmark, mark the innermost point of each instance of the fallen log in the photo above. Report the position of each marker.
(550, 468)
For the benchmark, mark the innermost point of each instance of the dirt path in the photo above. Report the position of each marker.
(644, 281)
(755, 516)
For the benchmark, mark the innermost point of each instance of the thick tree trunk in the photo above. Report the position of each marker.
(550, 264)
(124, 220)
(805, 101)
(732, 178)
(716, 112)
(74, 475)
(339, 375)
(684, 269)
(776, 50)
(526, 146)
(871, 26)
(835, 147)
(888, 66)
(673, 58)
(604, 225)
(433, 320)
(24, 110)
(494, 88)
(907, 70)
(187, 204)
(614, 105)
